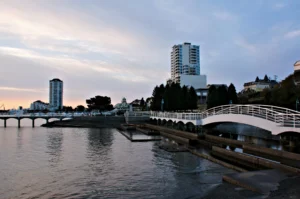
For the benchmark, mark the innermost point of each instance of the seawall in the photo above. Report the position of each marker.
(89, 122)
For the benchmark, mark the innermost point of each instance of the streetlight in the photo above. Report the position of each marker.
(162, 105)
(297, 102)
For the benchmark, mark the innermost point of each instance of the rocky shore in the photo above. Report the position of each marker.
(288, 188)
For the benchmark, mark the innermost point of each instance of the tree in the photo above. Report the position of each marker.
(175, 97)
(193, 99)
(211, 97)
(185, 98)
(157, 96)
(222, 95)
(217, 96)
(99, 103)
(67, 109)
(155, 99)
(232, 94)
(142, 102)
(80, 108)
(257, 79)
(266, 79)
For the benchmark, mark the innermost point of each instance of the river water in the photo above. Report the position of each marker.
(97, 163)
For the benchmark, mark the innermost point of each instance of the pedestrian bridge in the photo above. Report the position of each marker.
(33, 117)
(275, 119)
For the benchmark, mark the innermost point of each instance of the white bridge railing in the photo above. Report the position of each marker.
(137, 113)
(281, 116)
(40, 115)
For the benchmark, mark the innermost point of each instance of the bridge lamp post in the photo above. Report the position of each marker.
(297, 102)
(162, 105)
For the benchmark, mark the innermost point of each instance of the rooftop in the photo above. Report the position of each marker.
(55, 80)
(297, 63)
(39, 101)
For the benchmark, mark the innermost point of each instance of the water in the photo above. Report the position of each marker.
(97, 163)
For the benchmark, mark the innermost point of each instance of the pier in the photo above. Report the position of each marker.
(34, 117)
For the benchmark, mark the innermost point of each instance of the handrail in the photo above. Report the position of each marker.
(278, 115)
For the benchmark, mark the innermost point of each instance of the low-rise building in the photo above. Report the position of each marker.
(260, 84)
(123, 105)
(39, 105)
(196, 81)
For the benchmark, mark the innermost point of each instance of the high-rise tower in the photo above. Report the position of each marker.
(56, 94)
(185, 66)
(185, 60)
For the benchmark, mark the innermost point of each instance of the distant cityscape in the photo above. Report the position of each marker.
(185, 71)
(55, 97)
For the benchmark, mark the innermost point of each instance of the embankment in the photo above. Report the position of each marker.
(89, 122)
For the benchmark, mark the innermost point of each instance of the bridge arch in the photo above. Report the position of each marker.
(270, 118)
(190, 127)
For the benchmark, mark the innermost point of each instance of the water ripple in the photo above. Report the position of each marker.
(92, 163)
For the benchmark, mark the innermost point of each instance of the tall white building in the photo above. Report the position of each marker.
(185, 66)
(56, 94)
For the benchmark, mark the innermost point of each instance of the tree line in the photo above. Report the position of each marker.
(174, 98)
(79, 108)
(221, 95)
(284, 94)
(101, 103)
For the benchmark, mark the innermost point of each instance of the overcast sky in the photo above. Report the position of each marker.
(122, 48)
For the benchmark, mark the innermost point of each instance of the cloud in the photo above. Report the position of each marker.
(292, 34)
(244, 44)
(121, 50)
(279, 6)
(223, 15)
(61, 31)
(22, 89)
(74, 65)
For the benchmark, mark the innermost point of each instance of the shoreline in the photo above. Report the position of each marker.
(88, 122)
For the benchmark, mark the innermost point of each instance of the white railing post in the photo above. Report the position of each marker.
(294, 121)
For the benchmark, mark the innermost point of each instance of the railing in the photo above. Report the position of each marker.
(281, 116)
(40, 115)
(137, 113)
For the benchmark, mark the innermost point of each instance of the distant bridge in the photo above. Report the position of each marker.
(275, 119)
(33, 117)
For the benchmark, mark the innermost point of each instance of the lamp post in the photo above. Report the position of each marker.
(297, 102)
(162, 105)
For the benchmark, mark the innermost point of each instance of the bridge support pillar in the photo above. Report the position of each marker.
(4, 123)
(19, 123)
(33, 123)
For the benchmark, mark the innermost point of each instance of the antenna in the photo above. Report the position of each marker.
(2, 106)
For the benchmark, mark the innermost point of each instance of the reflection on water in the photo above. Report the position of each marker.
(93, 163)
(253, 135)
(54, 145)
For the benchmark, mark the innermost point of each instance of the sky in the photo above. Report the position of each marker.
(120, 48)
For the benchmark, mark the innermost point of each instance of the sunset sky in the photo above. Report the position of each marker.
(122, 48)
